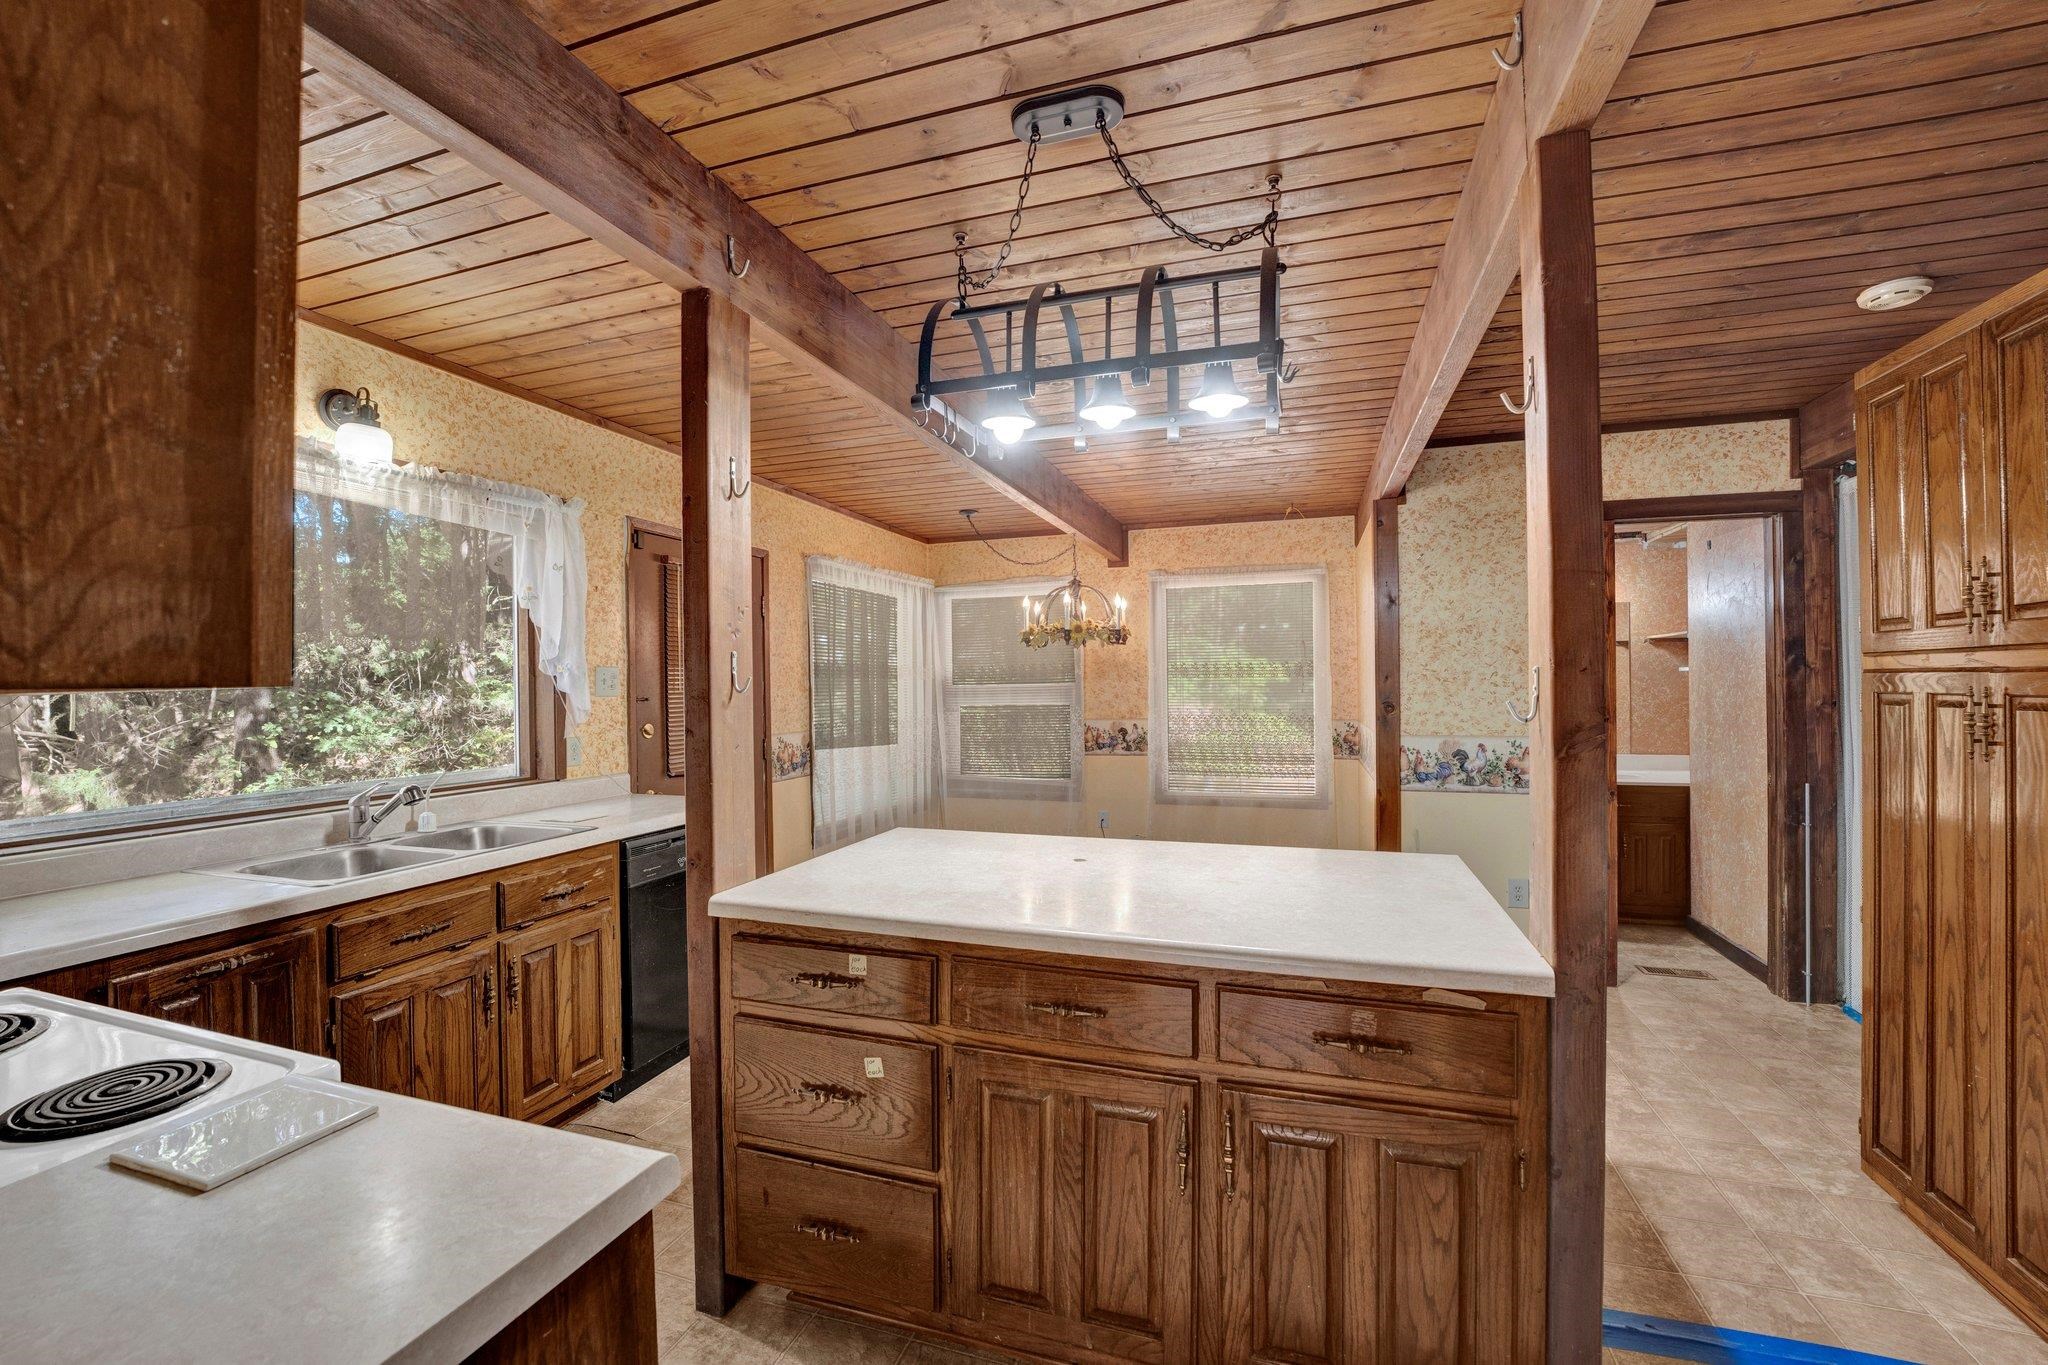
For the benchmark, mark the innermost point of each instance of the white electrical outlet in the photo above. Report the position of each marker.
(1518, 893)
(1102, 822)
(574, 749)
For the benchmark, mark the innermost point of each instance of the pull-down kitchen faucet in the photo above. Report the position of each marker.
(362, 820)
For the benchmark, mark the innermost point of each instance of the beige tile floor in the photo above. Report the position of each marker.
(1734, 1194)
(1734, 1191)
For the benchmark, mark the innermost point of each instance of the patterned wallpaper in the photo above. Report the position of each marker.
(438, 419)
(1649, 674)
(1464, 559)
(1115, 680)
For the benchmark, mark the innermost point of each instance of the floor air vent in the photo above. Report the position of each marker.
(1689, 973)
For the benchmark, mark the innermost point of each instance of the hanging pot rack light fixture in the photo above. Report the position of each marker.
(1100, 398)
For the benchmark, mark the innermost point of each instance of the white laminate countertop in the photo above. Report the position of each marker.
(1413, 919)
(413, 1235)
(53, 929)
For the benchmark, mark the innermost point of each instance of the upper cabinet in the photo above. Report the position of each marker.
(147, 215)
(1951, 444)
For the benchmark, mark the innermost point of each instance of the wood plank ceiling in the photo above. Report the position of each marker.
(1761, 161)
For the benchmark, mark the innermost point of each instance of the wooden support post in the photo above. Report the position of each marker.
(1568, 741)
(1381, 622)
(1820, 722)
(718, 724)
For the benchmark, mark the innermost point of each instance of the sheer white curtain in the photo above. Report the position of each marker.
(874, 700)
(550, 573)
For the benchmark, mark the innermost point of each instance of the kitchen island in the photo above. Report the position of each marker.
(1096, 1099)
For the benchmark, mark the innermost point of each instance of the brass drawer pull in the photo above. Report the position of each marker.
(827, 1231)
(1067, 1009)
(562, 893)
(1364, 1044)
(826, 1093)
(490, 995)
(1180, 1150)
(826, 981)
(1229, 1155)
(418, 934)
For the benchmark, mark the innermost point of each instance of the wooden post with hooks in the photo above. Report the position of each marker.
(718, 723)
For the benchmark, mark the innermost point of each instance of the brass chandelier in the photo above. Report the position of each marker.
(1061, 615)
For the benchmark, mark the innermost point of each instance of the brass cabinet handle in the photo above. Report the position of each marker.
(1364, 1044)
(1180, 1150)
(827, 1093)
(1973, 726)
(826, 981)
(1988, 739)
(1229, 1155)
(1970, 606)
(512, 990)
(1987, 589)
(1066, 1009)
(222, 966)
(417, 934)
(827, 1231)
(490, 994)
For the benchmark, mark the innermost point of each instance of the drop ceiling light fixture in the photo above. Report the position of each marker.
(359, 435)
(1898, 293)
(1156, 308)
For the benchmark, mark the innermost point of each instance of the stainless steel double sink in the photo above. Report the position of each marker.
(347, 862)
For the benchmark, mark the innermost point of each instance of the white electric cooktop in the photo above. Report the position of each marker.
(77, 1078)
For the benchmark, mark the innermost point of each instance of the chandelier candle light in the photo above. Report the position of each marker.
(1062, 615)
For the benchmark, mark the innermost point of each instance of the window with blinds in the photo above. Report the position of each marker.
(1012, 713)
(672, 712)
(1240, 688)
(853, 667)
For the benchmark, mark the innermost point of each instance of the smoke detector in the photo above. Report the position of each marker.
(1907, 289)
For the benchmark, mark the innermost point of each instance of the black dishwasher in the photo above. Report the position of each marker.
(654, 947)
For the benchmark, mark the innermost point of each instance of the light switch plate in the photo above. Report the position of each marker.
(574, 749)
(604, 681)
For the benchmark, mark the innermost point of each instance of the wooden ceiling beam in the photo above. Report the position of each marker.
(1572, 54)
(482, 80)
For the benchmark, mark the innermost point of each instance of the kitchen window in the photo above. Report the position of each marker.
(1012, 714)
(413, 657)
(1241, 688)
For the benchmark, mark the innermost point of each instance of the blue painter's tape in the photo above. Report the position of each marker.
(1852, 1011)
(1676, 1340)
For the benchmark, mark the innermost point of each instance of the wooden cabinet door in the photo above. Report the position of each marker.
(1654, 872)
(268, 991)
(431, 1033)
(1931, 946)
(590, 1001)
(561, 1002)
(1355, 1235)
(1072, 1205)
(2014, 562)
(531, 963)
(1923, 442)
(2018, 844)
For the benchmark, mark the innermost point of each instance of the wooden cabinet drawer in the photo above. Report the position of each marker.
(1442, 1049)
(402, 928)
(858, 1238)
(574, 881)
(835, 1092)
(1075, 1007)
(876, 985)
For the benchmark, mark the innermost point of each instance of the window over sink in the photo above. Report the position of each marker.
(412, 658)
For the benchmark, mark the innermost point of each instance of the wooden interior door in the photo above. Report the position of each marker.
(2018, 846)
(270, 991)
(1356, 1235)
(764, 727)
(431, 1033)
(1933, 1111)
(1073, 1205)
(2016, 480)
(654, 668)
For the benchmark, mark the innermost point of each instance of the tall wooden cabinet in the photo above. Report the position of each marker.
(1953, 468)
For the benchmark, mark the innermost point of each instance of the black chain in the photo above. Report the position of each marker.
(1071, 553)
(1267, 227)
(964, 281)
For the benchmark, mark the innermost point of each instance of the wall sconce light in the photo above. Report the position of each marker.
(359, 435)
